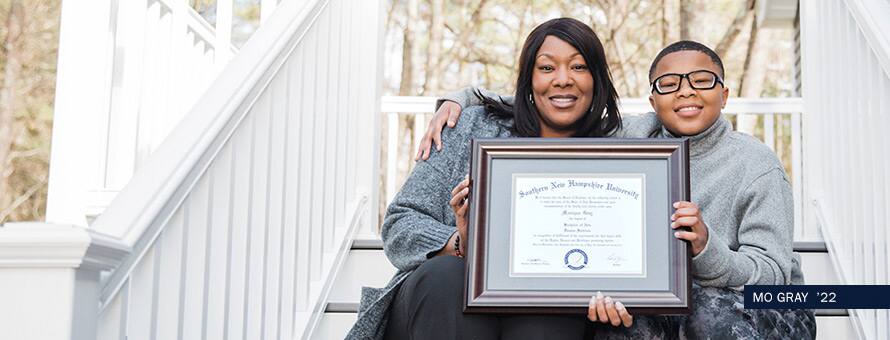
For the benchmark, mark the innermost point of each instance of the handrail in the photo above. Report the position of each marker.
(393, 106)
(831, 243)
(421, 104)
(871, 17)
(139, 213)
(203, 29)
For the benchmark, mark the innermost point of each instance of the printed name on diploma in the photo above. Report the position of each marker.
(570, 183)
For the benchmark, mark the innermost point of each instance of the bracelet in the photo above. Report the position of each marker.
(457, 247)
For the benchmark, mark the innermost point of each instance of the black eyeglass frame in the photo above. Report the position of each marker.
(654, 87)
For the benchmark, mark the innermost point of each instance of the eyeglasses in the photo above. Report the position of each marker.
(699, 80)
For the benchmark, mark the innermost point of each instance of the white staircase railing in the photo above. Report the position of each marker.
(846, 91)
(237, 224)
(128, 72)
(777, 113)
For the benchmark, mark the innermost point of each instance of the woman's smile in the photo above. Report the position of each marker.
(563, 101)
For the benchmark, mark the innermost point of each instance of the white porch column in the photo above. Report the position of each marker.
(49, 280)
(83, 81)
(370, 38)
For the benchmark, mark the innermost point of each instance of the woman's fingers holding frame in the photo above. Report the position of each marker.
(459, 196)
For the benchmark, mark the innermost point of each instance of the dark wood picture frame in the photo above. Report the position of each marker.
(479, 299)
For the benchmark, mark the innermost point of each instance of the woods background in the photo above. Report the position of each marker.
(432, 47)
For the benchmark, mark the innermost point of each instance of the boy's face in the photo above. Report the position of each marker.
(688, 111)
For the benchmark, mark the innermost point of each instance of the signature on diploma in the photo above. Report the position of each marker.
(615, 259)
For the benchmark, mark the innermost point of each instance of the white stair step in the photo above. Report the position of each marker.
(335, 325)
(369, 267)
(363, 267)
(817, 269)
(827, 327)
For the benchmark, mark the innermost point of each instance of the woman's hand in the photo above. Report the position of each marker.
(688, 215)
(460, 206)
(604, 310)
(448, 113)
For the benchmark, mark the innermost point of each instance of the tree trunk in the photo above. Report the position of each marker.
(434, 48)
(749, 53)
(407, 88)
(406, 85)
(751, 80)
(735, 27)
(686, 18)
(8, 103)
(664, 24)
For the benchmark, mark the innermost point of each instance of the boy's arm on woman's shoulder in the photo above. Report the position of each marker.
(466, 97)
(765, 254)
(638, 125)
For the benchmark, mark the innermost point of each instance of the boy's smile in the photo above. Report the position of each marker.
(688, 111)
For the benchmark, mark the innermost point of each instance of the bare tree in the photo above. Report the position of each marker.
(406, 86)
(8, 102)
(686, 18)
(434, 48)
(735, 27)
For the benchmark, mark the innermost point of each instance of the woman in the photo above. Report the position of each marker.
(567, 90)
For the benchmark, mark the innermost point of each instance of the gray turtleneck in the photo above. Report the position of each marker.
(744, 195)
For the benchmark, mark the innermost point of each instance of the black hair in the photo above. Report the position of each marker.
(602, 119)
(686, 45)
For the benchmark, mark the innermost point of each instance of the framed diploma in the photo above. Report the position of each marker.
(553, 221)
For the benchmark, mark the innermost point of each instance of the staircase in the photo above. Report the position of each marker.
(255, 217)
(368, 266)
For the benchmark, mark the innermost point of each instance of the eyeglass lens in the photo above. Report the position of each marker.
(699, 80)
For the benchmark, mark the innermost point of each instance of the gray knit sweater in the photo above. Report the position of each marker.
(737, 181)
(419, 222)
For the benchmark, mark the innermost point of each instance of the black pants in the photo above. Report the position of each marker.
(428, 306)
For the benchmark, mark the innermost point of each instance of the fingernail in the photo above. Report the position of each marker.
(676, 204)
(599, 295)
(608, 299)
(592, 300)
(677, 234)
(619, 305)
(673, 224)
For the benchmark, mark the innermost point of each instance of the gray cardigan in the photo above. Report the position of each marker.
(419, 222)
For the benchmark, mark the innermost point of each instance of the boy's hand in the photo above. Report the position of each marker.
(688, 215)
(448, 113)
(604, 310)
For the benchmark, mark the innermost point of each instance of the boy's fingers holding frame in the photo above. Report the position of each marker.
(688, 225)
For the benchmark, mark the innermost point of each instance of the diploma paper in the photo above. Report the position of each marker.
(578, 225)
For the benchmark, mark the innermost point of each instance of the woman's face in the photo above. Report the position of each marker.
(562, 87)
